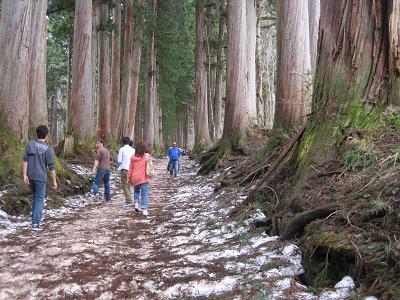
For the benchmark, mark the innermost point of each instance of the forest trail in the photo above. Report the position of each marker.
(185, 248)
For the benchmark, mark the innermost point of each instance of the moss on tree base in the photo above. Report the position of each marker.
(17, 199)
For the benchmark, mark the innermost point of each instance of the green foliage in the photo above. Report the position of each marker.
(11, 152)
(275, 144)
(175, 44)
(359, 159)
(59, 42)
(379, 207)
(394, 120)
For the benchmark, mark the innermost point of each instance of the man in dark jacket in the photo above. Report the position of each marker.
(37, 158)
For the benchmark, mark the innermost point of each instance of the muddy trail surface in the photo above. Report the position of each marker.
(186, 248)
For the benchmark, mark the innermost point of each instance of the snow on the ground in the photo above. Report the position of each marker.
(186, 248)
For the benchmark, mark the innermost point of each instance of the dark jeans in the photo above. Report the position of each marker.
(102, 175)
(175, 168)
(38, 189)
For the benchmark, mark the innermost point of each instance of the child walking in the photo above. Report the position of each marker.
(138, 177)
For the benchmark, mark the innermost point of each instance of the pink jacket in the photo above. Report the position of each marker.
(137, 169)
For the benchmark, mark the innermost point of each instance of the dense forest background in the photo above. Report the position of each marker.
(296, 101)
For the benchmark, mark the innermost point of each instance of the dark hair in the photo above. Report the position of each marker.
(141, 149)
(131, 143)
(101, 141)
(42, 131)
(126, 140)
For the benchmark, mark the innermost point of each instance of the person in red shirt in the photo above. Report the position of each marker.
(137, 176)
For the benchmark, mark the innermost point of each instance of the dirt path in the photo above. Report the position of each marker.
(185, 248)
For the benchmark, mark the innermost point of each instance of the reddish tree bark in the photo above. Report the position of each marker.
(219, 72)
(116, 71)
(38, 113)
(15, 34)
(358, 74)
(202, 132)
(127, 66)
(237, 101)
(104, 75)
(150, 88)
(134, 86)
(82, 106)
(292, 96)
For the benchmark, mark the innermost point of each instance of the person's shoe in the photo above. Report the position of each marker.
(145, 212)
(95, 197)
(126, 205)
(37, 227)
(137, 207)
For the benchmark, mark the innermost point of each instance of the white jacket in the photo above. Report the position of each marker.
(124, 157)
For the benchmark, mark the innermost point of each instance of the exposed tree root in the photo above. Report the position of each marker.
(253, 175)
(276, 163)
(221, 149)
(297, 224)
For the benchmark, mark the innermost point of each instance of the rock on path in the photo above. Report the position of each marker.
(185, 248)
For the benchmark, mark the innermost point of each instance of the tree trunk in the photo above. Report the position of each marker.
(150, 88)
(53, 113)
(38, 114)
(358, 74)
(202, 133)
(210, 97)
(134, 87)
(96, 60)
(15, 34)
(292, 97)
(104, 75)
(82, 108)
(69, 79)
(251, 24)
(116, 71)
(219, 73)
(127, 67)
(259, 73)
(237, 101)
(313, 16)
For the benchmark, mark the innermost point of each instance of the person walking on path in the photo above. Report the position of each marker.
(124, 160)
(174, 153)
(101, 170)
(138, 177)
(37, 158)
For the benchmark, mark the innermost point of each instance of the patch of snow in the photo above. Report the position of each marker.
(262, 240)
(202, 288)
(343, 290)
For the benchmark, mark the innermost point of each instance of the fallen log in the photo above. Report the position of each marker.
(301, 220)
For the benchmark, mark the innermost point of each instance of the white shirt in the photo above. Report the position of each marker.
(124, 157)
